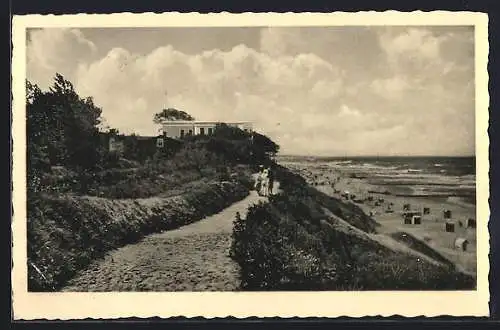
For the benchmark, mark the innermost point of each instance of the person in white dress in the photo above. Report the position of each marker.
(264, 183)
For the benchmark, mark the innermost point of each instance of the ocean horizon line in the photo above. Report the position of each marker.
(376, 156)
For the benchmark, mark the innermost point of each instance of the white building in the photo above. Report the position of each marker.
(180, 128)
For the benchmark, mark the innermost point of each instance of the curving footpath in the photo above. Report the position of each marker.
(191, 258)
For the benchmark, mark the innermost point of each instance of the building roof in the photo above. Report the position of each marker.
(203, 122)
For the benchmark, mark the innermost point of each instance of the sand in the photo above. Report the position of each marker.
(432, 228)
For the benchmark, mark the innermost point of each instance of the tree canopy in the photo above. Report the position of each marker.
(258, 141)
(62, 127)
(63, 130)
(238, 145)
(172, 115)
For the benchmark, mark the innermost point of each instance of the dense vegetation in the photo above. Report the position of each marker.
(66, 233)
(305, 240)
(171, 114)
(62, 129)
(83, 199)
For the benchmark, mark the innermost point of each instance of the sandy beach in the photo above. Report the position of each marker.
(336, 181)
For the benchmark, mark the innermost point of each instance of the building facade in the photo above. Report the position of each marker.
(179, 129)
(119, 144)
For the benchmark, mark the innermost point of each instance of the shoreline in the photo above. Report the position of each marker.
(334, 181)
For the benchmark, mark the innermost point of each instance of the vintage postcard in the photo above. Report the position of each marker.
(214, 165)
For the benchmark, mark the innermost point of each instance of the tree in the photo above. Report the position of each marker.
(222, 130)
(32, 92)
(63, 125)
(132, 149)
(172, 115)
(265, 144)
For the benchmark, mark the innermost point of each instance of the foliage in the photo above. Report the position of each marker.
(259, 142)
(61, 131)
(297, 188)
(73, 182)
(171, 114)
(420, 246)
(140, 148)
(63, 125)
(114, 132)
(236, 146)
(66, 233)
(293, 243)
(263, 246)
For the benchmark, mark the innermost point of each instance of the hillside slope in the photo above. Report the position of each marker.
(194, 257)
(303, 239)
(67, 233)
(86, 198)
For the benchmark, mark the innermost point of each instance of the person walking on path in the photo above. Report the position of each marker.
(258, 180)
(264, 183)
(270, 176)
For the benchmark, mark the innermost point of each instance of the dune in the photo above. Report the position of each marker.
(439, 244)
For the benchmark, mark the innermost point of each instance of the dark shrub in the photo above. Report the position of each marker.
(66, 233)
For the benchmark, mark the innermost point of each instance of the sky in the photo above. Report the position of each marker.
(328, 91)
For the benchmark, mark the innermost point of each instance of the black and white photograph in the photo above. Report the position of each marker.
(253, 158)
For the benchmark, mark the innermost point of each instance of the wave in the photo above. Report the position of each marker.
(340, 162)
(414, 169)
(364, 166)
(380, 167)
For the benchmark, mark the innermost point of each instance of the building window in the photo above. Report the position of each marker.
(210, 131)
(202, 131)
(159, 143)
(190, 132)
(182, 133)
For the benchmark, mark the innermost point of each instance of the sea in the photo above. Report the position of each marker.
(451, 178)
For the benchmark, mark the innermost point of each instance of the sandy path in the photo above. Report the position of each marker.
(191, 258)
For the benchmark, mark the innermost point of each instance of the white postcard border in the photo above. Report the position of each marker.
(64, 306)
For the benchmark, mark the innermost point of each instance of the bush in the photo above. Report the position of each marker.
(417, 245)
(66, 233)
(290, 243)
(298, 191)
(265, 248)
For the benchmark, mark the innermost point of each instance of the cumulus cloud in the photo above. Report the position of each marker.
(392, 87)
(380, 100)
(56, 50)
(427, 54)
(280, 41)
(240, 84)
(414, 41)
